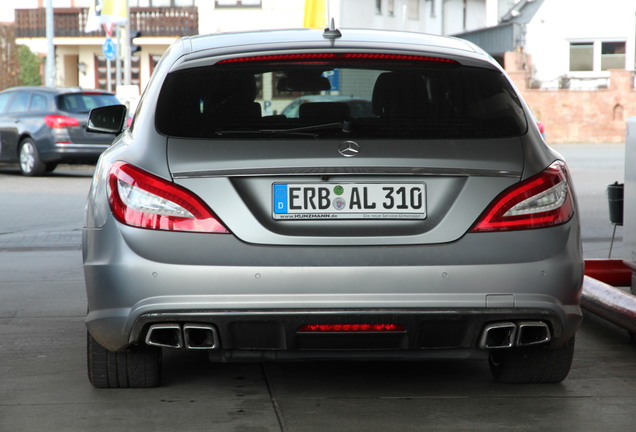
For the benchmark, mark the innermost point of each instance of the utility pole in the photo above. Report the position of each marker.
(50, 71)
(126, 46)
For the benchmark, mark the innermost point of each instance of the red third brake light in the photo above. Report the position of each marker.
(338, 56)
(60, 121)
(541, 201)
(140, 199)
(348, 328)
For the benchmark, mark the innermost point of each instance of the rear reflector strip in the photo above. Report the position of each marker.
(338, 56)
(348, 328)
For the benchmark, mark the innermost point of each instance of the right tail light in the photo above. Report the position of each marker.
(543, 200)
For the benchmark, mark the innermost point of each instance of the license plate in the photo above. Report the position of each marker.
(301, 201)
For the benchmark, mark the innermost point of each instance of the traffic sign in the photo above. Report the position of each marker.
(334, 79)
(110, 49)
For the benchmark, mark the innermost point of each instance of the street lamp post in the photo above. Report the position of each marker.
(50, 56)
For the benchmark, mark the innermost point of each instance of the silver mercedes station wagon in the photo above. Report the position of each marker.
(437, 224)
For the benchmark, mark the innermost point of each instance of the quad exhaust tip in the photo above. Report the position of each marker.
(190, 336)
(510, 334)
(200, 336)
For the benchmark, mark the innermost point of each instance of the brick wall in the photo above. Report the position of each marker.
(577, 116)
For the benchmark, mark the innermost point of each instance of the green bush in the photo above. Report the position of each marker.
(29, 67)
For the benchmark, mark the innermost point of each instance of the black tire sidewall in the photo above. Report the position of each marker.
(39, 167)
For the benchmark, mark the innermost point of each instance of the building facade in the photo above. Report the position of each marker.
(80, 55)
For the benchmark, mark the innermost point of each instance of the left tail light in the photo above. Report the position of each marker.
(140, 199)
(60, 121)
(541, 201)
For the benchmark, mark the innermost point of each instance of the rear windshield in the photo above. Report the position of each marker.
(84, 102)
(339, 99)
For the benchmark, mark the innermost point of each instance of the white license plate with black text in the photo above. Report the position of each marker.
(349, 201)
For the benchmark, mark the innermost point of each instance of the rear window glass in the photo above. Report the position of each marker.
(339, 99)
(84, 102)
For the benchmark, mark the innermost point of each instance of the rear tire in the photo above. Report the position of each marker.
(137, 367)
(30, 162)
(535, 364)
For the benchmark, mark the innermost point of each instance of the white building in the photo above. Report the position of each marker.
(80, 60)
(576, 42)
(572, 43)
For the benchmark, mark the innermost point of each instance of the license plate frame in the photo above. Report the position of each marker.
(350, 200)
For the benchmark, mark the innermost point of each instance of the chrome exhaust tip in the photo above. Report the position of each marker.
(200, 336)
(165, 336)
(532, 333)
(498, 335)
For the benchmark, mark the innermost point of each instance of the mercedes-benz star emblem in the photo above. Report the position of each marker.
(348, 148)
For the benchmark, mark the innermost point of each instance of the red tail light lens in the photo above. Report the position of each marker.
(60, 121)
(349, 328)
(541, 201)
(140, 199)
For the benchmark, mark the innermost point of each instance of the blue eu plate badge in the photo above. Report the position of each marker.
(280, 198)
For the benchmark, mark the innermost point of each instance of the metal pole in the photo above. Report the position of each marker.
(109, 81)
(127, 53)
(117, 56)
(50, 71)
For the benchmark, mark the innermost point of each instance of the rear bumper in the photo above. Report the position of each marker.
(73, 152)
(88, 149)
(79, 151)
(257, 308)
(422, 333)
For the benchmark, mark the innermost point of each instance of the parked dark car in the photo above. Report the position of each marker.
(438, 225)
(41, 127)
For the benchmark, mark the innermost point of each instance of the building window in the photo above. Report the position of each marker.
(581, 56)
(238, 3)
(612, 55)
(597, 56)
(101, 73)
(391, 8)
(161, 3)
(378, 7)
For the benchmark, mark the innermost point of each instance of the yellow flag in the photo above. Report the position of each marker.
(315, 14)
(114, 11)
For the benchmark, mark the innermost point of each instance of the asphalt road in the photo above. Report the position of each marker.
(43, 384)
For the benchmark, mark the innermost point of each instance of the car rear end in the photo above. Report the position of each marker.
(439, 225)
(72, 143)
